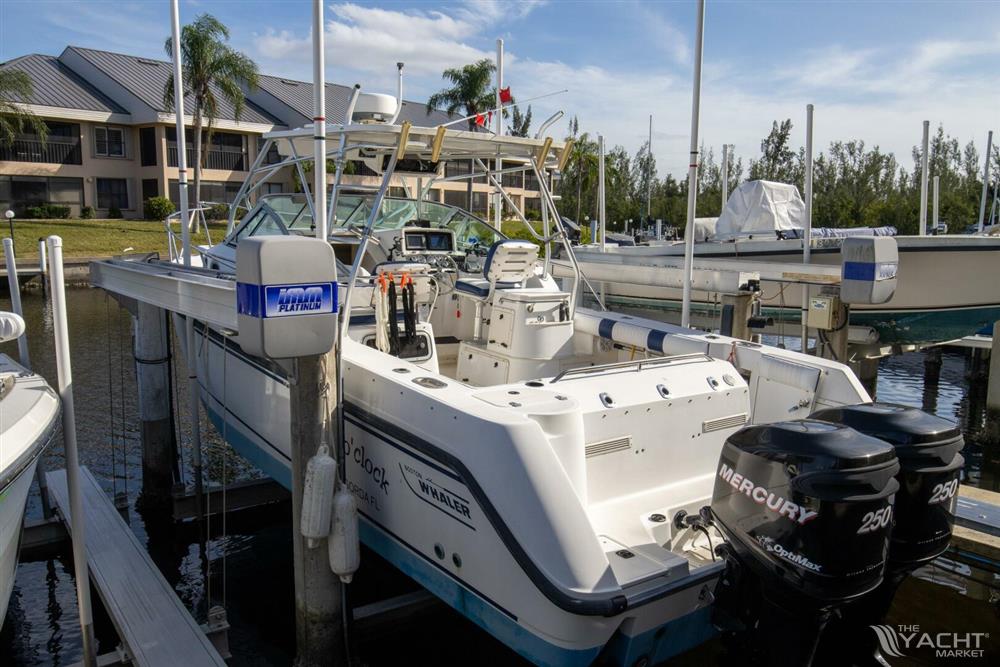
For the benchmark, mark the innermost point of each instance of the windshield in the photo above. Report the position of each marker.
(353, 210)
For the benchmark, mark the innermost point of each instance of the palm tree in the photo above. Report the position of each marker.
(584, 159)
(211, 68)
(15, 85)
(470, 92)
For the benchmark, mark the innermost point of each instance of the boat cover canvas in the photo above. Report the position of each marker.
(761, 207)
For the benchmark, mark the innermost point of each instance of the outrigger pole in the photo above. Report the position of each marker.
(693, 169)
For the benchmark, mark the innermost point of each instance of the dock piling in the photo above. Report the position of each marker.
(992, 429)
(318, 600)
(152, 350)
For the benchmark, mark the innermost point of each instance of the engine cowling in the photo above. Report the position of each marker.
(930, 469)
(809, 505)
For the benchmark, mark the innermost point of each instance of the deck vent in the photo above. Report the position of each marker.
(609, 446)
(732, 421)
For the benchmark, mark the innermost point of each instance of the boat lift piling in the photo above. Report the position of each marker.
(922, 224)
(986, 180)
(807, 238)
(151, 350)
(78, 525)
(693, 168)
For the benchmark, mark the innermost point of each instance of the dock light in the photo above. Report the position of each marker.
(544, 153)
(436, 146)
(564, 156)
(9, 214)
(404, 136)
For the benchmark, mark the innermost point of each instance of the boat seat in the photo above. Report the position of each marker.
(479, 287)
(508, 264)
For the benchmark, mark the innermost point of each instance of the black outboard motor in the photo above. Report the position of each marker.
(930, 469)
(806, 509)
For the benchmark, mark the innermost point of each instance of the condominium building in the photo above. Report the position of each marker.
(112, 141)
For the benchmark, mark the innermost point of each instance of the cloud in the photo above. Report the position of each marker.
(879, 94)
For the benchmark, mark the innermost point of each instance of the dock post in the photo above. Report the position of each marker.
(867, 370)
(42, 268)
(318, 608)
(151, 351)
(738, 326)
(932, 377)
(992, 431)
(65, 373)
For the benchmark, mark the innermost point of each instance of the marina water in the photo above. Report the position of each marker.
(247, 563)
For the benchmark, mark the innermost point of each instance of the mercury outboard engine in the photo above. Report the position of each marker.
(930, 468)
(806, 509)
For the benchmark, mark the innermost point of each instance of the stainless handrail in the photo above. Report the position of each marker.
(638, 365)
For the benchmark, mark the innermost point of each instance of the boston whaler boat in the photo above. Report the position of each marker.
(28, 413)
(584, 485)
(947, 283)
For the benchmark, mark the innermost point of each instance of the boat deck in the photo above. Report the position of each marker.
(155, 627)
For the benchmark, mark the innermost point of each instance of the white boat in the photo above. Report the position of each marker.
(29, 410)
(548, 470)
(947, 283)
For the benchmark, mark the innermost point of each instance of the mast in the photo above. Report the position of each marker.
(693, 168)
(182, 183)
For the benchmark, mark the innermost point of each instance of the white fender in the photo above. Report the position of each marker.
(344, 543)
(317, 497)
(11, 326)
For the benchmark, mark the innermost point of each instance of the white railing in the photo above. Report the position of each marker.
(196, 217)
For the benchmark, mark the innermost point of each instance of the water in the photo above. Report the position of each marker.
(248, 565)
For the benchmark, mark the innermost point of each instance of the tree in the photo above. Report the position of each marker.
(519, 124)
(778, 160)
(211, 69)
(14, 119)
(470, 92)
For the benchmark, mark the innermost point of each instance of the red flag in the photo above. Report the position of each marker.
(480, 120)
(505, 96)
(490, 118)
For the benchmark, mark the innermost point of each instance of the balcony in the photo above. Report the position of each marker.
(55, 150)
(225, 159)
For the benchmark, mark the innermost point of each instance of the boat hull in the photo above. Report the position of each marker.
(946, 289)
(421, 511)
(12, 501)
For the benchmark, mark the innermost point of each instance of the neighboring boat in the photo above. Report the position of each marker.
(29, 410)
(551, 472)
(947, 285)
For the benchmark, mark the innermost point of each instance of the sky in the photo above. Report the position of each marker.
(874, 70)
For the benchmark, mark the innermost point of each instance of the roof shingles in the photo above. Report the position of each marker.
(145, 78)
(56, 85)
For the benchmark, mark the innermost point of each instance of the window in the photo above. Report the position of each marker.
(61, 147)
(109, 141)
(20, 192)
(395, 191)
(112, 193)
(150, 188)
(147, 146)
(211, 191)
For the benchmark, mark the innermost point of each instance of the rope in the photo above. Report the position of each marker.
(208, 493)
(111, 397)
(121, 388)
(225, 462)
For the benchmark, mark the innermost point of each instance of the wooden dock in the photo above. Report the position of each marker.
(152, 623)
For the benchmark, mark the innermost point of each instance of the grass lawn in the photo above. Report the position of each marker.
(98, 238)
